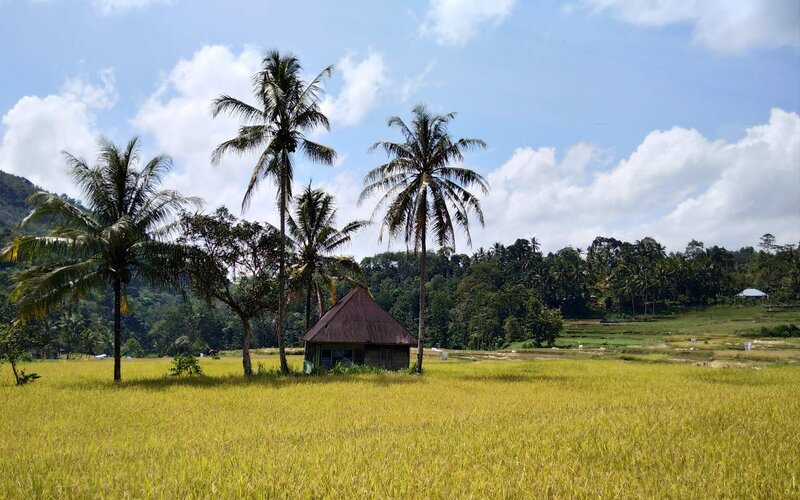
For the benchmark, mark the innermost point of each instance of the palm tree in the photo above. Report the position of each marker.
(121, 237)
(423, 191)
(287, 109)
(315, 238)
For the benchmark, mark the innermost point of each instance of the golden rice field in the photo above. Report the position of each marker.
(555, 428)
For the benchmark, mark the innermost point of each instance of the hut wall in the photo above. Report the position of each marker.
(388, 357)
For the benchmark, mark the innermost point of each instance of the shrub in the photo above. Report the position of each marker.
(782, 331)
(353, 369)
(185, 364)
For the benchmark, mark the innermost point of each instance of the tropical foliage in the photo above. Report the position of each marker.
(424, 190)
(315, 241)
(233, 262)
(121, 236)
(287, 110)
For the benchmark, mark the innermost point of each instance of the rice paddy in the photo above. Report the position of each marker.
(631, 429)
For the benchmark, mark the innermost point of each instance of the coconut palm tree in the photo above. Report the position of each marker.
(288, 109)
(315, 240)
(424, 191)
(122, 235)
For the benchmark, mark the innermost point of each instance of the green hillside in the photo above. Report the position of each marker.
(14, 190)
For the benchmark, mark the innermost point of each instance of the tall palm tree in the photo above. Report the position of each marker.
(423, 189)
(288, 108)
(315, 240)
(122, 236)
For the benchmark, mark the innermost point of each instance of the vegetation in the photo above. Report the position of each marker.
(233, 262)
(14, 345)
(288, 109)
(790, 330)
(425, 191)
(120, 237)
(314, 240)
(185, 364)
(488, 429)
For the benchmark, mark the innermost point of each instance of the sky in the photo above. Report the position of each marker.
(626, 118)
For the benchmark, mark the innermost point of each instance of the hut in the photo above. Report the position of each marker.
(357, 330)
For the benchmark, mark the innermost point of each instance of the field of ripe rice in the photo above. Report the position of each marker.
(482, 429)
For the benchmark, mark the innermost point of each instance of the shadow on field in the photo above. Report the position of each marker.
(272, 381)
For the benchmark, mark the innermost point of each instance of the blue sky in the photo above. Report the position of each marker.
(603, 117)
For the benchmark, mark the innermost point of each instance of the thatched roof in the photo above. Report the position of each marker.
(358, 319)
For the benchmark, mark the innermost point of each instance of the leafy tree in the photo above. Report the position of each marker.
(288, 109)
(132, 348)
(767, 242)
(14, 345)
(315, 239)
(122, 236)
(233, 262)
(423, 191)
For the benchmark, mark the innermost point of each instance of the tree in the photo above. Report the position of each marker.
(121, 237)
(767, 242)
(315, 239)
(423, 191)
(14, 344)
(234, 263)
(288, 108)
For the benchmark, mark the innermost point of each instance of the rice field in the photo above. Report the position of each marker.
(496, 429)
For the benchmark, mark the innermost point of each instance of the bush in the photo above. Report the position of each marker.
(185, 364)
(353, 369)
(783, 331)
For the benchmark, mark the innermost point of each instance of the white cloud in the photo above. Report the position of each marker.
(363, 82)
(727, 26)
(108, 7)
(413, 85)
(96, 96)
(455, 22)
(178, 117)
(37, 130)
(117, 6)
(677, 185)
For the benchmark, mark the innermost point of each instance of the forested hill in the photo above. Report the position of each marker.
(14, 190)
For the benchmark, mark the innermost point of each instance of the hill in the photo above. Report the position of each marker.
(14, 190)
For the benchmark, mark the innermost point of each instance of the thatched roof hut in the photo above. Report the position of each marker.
(358, 330)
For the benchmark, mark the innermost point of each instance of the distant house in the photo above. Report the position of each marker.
(752, 292)
(357, 330)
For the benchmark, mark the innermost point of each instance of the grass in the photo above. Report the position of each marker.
(719, 333)
(482, 429)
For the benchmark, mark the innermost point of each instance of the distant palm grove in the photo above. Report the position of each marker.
(136, 269)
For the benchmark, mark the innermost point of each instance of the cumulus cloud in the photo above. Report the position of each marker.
(677, 185)
(37, 129)
(178, 117)
(455, 22)
(727, 26)
(363, 82)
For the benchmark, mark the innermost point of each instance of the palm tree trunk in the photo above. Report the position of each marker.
(248, 338)
(308, 306)
(422, 265)
(117, 330)
(282, 287)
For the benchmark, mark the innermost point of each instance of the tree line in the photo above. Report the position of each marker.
(134, 231)
(183, 280)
